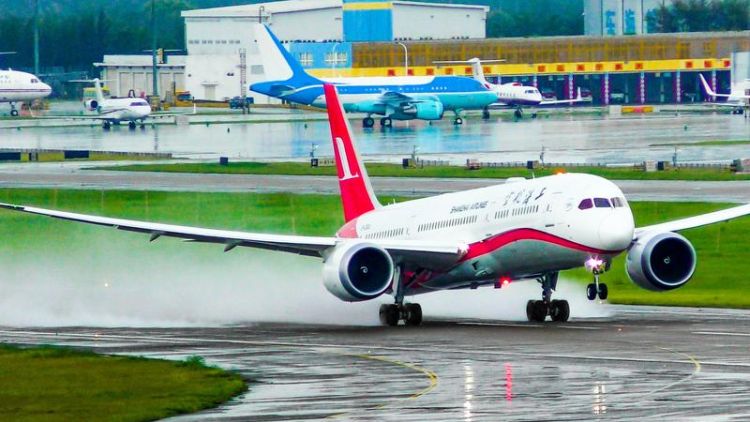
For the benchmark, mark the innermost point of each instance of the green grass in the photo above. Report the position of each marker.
(713, 143)
(721, 278)
(394, 170)
(60, 384)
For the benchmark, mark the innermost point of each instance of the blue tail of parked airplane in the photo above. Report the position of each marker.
(285, 76)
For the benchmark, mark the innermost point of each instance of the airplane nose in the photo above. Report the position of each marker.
(616, 232)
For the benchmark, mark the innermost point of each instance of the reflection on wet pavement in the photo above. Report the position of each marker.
(565, 138)
(663, 363)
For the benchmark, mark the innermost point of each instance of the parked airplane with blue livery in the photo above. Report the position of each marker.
(394, 98)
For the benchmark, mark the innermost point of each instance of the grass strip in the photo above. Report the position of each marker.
(61, 384)
(720, 280)
(394, 170)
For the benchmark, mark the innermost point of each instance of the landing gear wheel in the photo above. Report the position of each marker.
(518, 114)
(131, 125)
(386, 122)
(106, 125)
(143, 126)
(533, 115)
(14, 113)
(389, 315)
(603, 291)
(591, 291)
(536, 310)
(458, 121)
(413, 314)
(485, 114)
(368, 122)
(559, 310)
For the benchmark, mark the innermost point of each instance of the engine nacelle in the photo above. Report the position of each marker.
(358, 271)
(91, 105)
(664, 261)
(428, 110)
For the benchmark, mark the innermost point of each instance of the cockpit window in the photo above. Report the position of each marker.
(585, 204)
(618, 202)
(138, 103)
(35, 81)
(529, 91)
(602, 203)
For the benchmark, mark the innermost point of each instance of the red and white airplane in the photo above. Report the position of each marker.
(519, 230)
(19, 87)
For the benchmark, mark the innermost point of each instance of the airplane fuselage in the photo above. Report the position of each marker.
(18, 86)
(124, 109)
(517, 230)
(517, 95)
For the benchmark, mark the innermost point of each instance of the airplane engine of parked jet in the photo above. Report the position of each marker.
(91, 105)
(355, 272)
(426, 110)
(664, 261)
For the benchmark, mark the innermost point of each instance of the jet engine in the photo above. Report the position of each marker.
(663, 261)
(428, 110)
(358, 271)
(91, 105)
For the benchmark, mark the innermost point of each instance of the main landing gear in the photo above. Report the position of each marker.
(410, 313)
(368, 122)
(13, 110)
(106, 125)
(538, 310)
(486, 113)
(386, 122)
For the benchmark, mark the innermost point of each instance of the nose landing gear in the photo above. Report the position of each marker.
(557, 310)
(597, 289)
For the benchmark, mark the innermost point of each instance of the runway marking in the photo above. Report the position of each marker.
(431, 375)
(696, 371)
(719, 333)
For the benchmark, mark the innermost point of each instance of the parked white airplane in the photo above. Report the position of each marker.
(519, 230)
(738, 98)
(512, 94)
(18, 87)
(115, 110)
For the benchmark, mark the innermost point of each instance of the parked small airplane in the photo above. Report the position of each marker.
(18, 87)
(518, 230)
(738, 98)
(115, 110)
(512, 94)
(395, 98)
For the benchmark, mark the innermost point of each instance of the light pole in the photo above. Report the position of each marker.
(406, 58)
(333, 59)
(154, 67)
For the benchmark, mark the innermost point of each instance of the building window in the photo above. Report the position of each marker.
(336, 58)
(306, 59)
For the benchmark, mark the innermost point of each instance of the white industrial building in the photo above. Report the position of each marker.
(217, 38)
(125, 73)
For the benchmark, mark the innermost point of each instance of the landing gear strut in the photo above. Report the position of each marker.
(518, 113)
(410, 313)
(13, 110)
(486, 113)
(597, 289)
(558, 310)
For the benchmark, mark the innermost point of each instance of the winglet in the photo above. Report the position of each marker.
(357, 196)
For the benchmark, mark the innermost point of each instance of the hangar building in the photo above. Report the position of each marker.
(220, 46)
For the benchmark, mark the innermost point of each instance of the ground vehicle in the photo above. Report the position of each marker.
(236, 102)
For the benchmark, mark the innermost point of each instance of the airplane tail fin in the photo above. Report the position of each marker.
(357, 195)
(706, 87)
(278, 64)
(477, 70)
(99, 92)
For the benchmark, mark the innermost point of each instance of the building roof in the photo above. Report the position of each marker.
(252, 10)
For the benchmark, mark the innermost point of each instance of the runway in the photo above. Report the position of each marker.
(642, 362)
(71, 176)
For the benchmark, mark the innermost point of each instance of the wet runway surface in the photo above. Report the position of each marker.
(73, 177)
(565, 137)
(658, 363)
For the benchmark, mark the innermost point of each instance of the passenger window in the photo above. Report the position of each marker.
(585, 204)
(602, 203)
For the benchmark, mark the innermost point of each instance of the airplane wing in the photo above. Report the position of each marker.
(577, 99)
(697, 221)
(429, 255)
(391, 97)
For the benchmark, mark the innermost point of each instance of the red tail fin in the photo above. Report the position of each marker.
(356, 192)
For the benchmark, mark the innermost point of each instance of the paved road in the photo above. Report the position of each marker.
(654, 363)
(72, 177)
